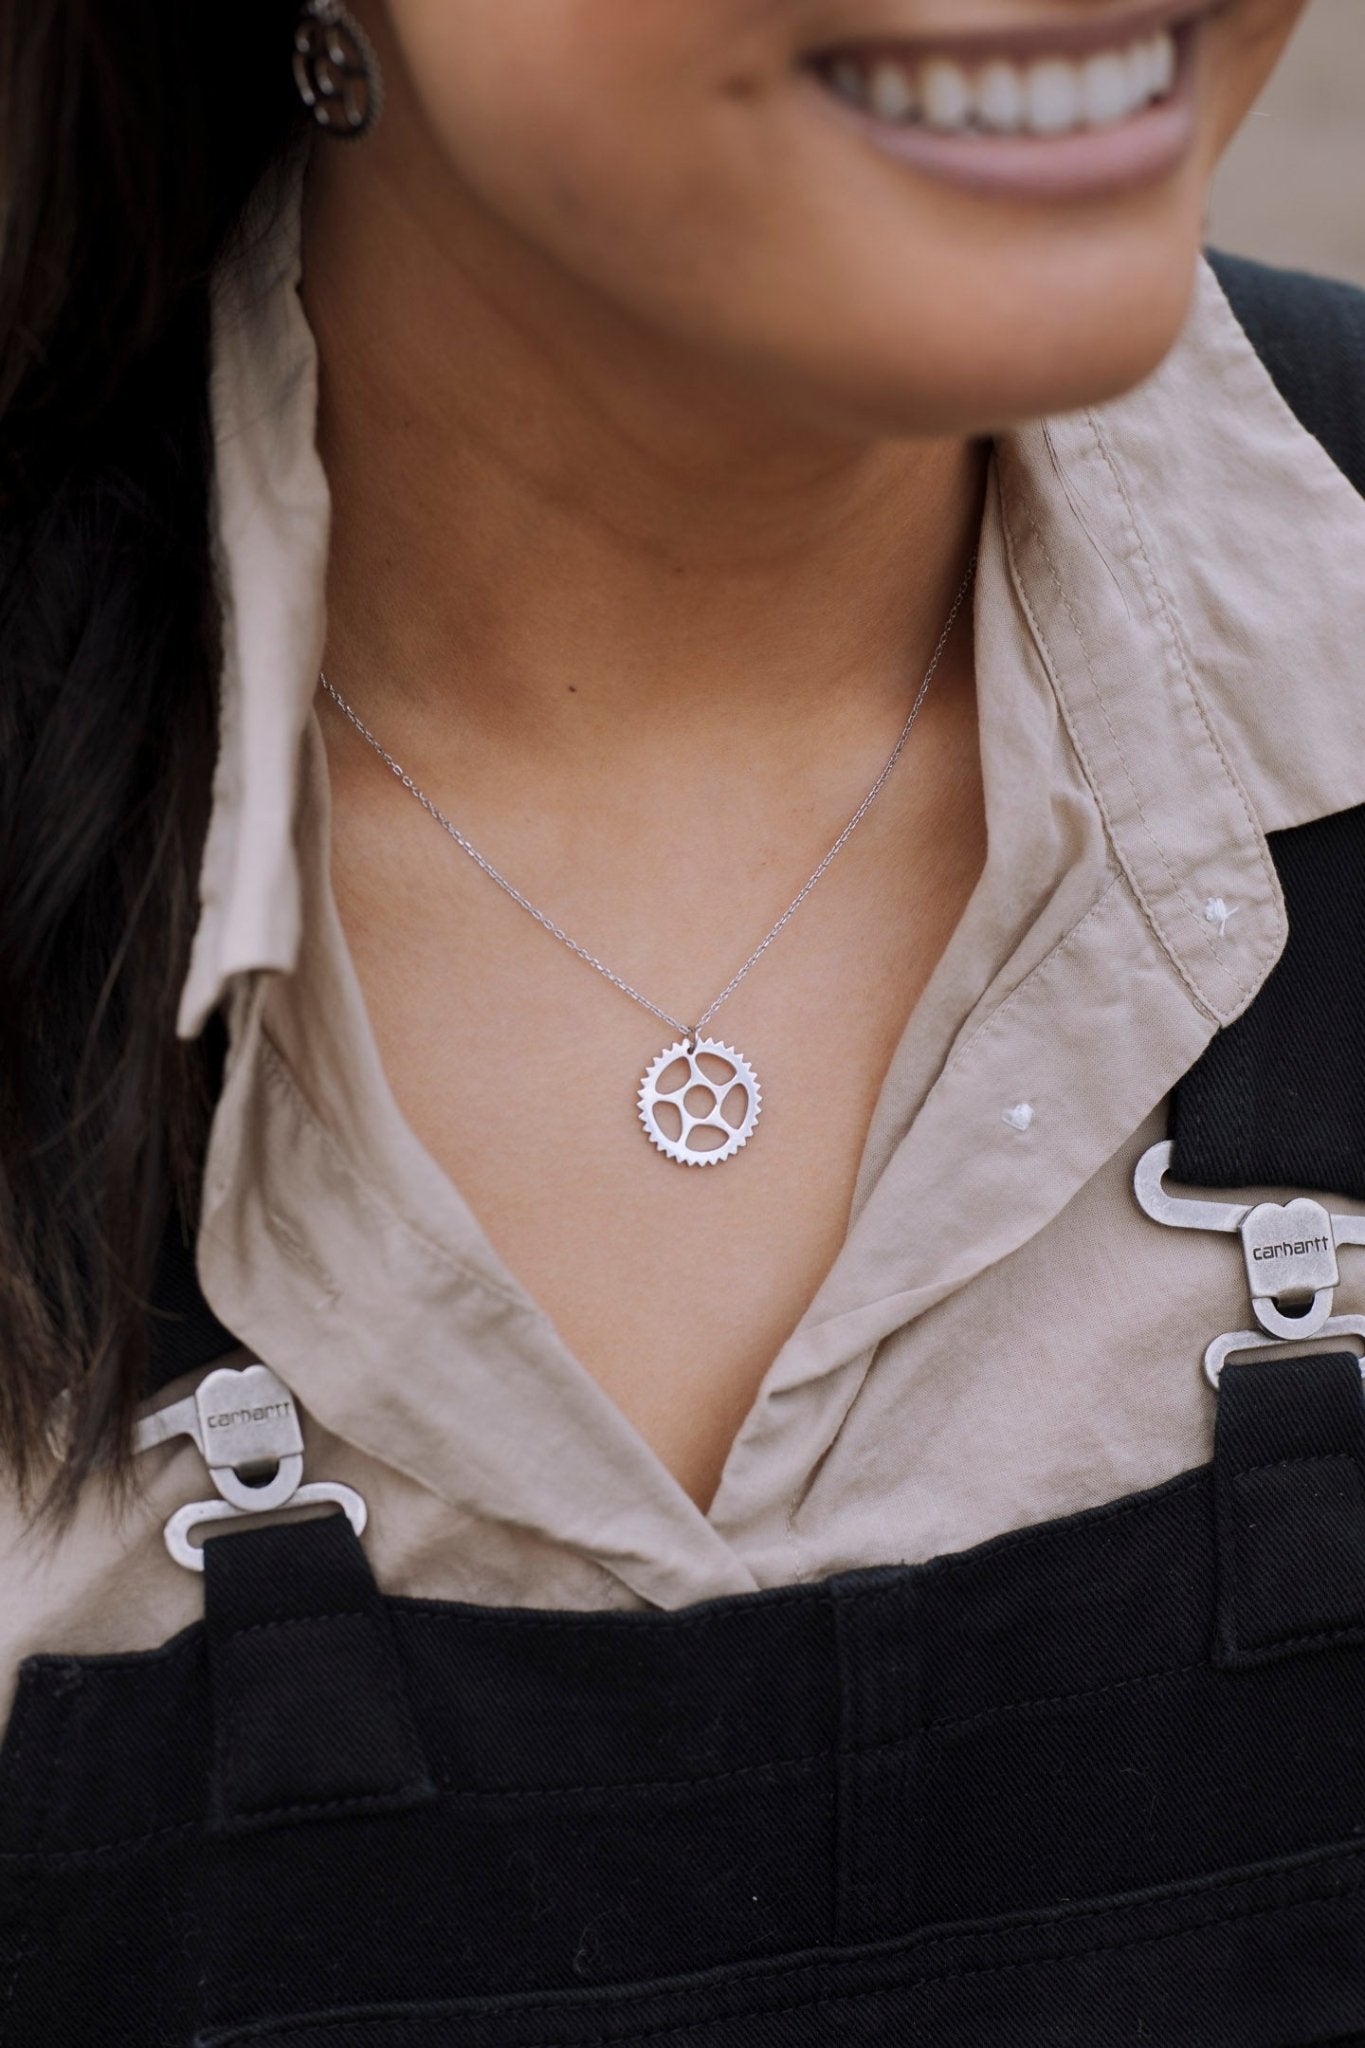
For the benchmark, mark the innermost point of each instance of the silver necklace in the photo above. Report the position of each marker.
(700, 1099)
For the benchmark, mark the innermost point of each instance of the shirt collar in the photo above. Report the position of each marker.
(271, 513)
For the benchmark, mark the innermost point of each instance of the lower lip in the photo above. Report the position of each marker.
(1089, 163)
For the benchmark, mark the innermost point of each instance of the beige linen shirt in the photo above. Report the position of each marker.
(1170, 619)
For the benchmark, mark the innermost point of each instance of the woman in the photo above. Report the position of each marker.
(650, 655)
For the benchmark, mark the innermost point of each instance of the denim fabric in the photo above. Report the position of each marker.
(1024, 1794)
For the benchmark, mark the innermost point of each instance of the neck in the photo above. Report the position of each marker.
(546, 519)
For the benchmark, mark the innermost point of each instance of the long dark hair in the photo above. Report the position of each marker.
(131, 134)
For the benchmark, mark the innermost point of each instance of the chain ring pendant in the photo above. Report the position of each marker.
(699, 1102)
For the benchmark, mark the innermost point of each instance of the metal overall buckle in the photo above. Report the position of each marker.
(246, 1427)
(1290, 1249)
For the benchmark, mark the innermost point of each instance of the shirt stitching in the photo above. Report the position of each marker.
(1177, 640)
(1177, 889)
(1101, 801)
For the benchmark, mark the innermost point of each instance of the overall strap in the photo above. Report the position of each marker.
(1279, 1097)
(1289, 1485)
(311, 1709)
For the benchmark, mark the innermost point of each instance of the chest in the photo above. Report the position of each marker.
(518, 1067)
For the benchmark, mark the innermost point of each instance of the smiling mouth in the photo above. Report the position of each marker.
(1064, 111)
(999, 94)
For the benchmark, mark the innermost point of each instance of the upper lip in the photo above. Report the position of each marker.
(1104, 30)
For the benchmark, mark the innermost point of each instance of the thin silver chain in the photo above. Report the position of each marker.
(689, 1032)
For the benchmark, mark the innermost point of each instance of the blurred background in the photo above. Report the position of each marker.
(1292, 187)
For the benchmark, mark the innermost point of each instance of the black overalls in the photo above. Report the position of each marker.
(1098, 1782)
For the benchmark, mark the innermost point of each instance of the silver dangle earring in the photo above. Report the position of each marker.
(336, 70)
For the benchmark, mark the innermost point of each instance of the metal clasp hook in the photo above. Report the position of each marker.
(246, 1426)
(1222, 1348)
(1290, 1248)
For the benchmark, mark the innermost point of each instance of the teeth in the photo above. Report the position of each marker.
(890, 92)
(1163, 71)
(947, 94)
(1001, 100)
(1107, 90)
(1142, 69)
(1052, 96)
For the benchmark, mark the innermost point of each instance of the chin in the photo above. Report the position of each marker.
(1062, 357)
(1023, 339)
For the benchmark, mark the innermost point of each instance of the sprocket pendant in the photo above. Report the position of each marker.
(699, 1102)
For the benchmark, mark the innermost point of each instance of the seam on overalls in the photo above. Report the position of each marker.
(621, 1620)
(1208, 1889)
(252, 1628)
(1321, 1639)
(838, 2001)
(227, 1743)
(860, 1881)
(1298, 1638)
(1303, 1458)
(835, 1753)
(1063, 1699)
(187, 1642)
(59, 1859)
(452, 1790)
